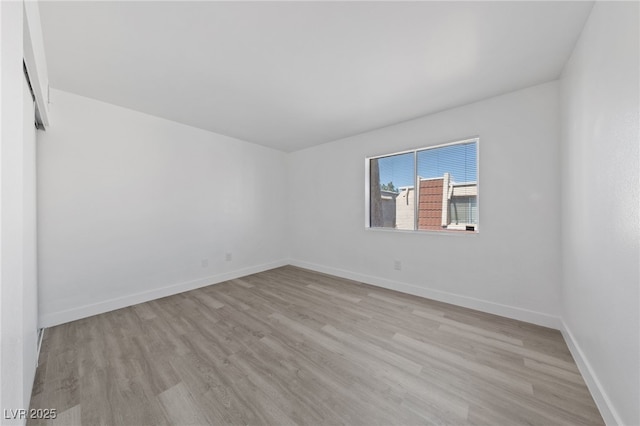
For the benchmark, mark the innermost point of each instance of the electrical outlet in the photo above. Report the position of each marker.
(204, 263)
(397, 265)
(228, 257)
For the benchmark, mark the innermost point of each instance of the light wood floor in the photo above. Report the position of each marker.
(290, 346)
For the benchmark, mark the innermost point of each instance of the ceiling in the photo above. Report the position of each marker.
(290, 75)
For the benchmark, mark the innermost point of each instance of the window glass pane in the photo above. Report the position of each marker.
(391, 191)
(463, 210)
(459, 160)
(448, 189)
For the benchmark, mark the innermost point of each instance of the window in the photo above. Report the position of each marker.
(446, 198)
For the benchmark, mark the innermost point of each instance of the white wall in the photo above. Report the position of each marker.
(512, 267)
(134, 207)
(601, 220)
(18, 295)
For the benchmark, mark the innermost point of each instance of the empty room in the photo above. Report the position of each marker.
(319, 213)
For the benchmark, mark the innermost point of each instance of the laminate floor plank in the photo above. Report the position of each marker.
(70, 417)
(291, 346)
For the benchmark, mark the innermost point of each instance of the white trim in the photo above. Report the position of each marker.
(35, 61)
(513, 312)
(40, 337)
(55, 318)
(426, 148)
(521, 314)
(367, 193)
(607, 410)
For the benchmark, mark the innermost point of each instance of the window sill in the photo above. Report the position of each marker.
(412, 231)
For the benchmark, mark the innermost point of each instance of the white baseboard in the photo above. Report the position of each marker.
(513, 312)
(608, 412)
(61, 317)
(539, 318)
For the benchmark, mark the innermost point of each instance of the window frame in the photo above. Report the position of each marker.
(367, 189)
